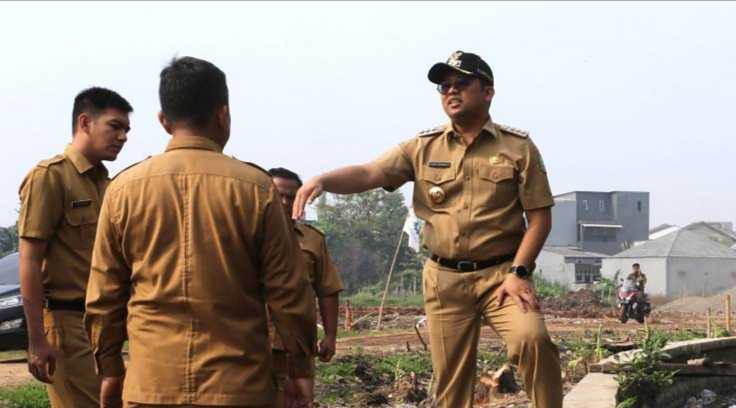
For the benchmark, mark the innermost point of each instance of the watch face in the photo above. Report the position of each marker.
(521, 271)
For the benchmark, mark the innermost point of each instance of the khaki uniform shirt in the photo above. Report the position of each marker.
(640, 281)
(191, 246)
(60, 202)
(321, 271)
(472, 198)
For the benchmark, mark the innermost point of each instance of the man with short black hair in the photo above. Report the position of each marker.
(192, 245)
(638, 277)
(295, 374)
(482, 190)
(60, 202)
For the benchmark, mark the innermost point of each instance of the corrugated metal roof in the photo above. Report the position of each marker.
(572, 252)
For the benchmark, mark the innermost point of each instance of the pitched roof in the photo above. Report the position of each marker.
(572, 251)
(681, 243)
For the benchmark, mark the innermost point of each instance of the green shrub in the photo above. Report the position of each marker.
(26, 396)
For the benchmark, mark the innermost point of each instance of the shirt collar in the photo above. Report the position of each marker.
(79, 161)
(489, 127)
(193, 142)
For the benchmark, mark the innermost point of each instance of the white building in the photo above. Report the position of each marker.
(569, 266)
(682, 263)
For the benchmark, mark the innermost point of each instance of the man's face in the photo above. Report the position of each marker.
(464, 95)
(287, 189)
(636, 269)
(107, 133)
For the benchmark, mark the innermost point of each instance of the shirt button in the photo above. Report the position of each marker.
(467, 178)
(465, 206)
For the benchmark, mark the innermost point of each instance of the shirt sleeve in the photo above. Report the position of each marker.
(397, 166)
(108, 292)
(285, 281)
(41, 204)
(534, 190)
(327, 282)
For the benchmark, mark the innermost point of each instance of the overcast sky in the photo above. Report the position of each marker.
(618, 96)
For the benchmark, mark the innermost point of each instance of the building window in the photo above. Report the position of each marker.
(585, 205)
(586, 273)
(601, 205)
(638, 206)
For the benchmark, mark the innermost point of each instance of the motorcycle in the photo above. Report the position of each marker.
(632, 303)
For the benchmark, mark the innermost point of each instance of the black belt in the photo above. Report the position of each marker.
(71, 305)
(471, 266)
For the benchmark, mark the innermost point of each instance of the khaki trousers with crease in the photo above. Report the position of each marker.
(454, 303)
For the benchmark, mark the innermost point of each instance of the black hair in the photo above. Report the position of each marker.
(635, 264)
(95, 100)
(286, 174)
(191, 90)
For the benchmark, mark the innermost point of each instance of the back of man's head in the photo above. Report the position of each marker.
(93, 101)
(285, 174)
(191, 91)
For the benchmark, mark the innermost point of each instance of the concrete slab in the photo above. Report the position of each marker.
(595, 390)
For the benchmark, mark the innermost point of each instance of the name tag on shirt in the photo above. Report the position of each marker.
(81, 203)
(439, 165)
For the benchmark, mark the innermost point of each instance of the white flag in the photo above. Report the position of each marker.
(412, 227)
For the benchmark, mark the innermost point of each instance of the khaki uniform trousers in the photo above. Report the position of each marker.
(75, 381)
(454, 303)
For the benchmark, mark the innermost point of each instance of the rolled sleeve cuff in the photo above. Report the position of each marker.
(535, 204)
(328, 291)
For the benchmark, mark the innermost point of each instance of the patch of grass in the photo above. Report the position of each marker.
(12, 354)
(490, 360)
(365, 298)
(404, 363)
(26, 396)
(547, 289)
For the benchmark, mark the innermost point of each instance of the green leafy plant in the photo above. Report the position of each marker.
(641, 379)
(547, 289)
(26, 396)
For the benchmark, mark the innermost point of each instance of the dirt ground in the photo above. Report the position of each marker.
(397, 335)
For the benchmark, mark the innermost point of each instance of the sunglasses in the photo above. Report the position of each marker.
(460, 83)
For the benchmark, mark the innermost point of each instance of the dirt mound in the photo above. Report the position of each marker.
(697, 304)
(582, 303)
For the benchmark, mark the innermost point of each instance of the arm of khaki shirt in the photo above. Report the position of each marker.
(286, 286)
(41, 356)
(108, 291)
(345, 180)
(539, 225)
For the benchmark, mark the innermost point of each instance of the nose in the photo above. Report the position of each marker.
(123, 136)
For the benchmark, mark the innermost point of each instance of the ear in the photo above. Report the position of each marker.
(223, 117)
(84, 122)
(164, 122)
(489, 93)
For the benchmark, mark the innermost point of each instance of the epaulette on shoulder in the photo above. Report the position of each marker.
(431, 132)
(514, 131)
(312, 227)
(48, 162)
(257, 167)
(130, 167)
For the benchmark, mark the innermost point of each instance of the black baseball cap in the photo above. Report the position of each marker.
(464, 63)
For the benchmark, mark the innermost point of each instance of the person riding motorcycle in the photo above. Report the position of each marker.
(638, 277)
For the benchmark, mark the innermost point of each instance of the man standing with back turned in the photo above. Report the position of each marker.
(60, 201)
(191, 246)
(475, 180)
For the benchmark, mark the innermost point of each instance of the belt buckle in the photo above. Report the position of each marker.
(466, 266)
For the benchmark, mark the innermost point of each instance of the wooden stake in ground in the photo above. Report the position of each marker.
(348, 317)
(728, 313)
(707, 324)
(388, 280)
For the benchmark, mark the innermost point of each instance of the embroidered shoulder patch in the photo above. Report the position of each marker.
(432, 131)
(515, 131)
(56, 159)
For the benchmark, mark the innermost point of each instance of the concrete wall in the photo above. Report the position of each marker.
(564, 224)
(629, 209)
(698, 276)
(552, 267)
(654, 268)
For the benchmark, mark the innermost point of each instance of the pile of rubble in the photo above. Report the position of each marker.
(582, 303)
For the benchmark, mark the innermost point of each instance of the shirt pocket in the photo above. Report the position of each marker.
(440, 184)
(498, 186)
(82, 223)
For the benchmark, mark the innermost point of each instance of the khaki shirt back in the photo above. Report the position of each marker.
(60, 202)
(321, 271)
(191, 246)
(480, 191)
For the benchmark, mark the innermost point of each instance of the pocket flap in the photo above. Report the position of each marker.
(496, 174)
(438, 175)
(81, 216)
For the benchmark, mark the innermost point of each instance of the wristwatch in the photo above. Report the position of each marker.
(521, 271)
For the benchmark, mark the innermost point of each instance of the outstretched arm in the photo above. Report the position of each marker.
(345, 180)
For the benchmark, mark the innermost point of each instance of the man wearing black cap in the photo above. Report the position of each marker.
(482, 190)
